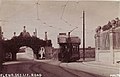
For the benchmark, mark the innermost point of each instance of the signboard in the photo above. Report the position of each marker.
(62, 40)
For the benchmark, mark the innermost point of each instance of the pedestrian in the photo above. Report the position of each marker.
(117, 22)
(42, 52)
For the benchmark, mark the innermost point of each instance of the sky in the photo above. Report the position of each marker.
(55, 17)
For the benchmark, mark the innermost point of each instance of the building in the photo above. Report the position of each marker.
(108, 44)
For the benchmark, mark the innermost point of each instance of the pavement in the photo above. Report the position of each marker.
(94, 67)
(98, 68)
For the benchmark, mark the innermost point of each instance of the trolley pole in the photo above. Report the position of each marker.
(83, 35)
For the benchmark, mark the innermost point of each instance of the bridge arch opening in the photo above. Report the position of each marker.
(25, 53)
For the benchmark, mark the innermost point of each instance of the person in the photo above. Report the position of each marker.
(98, 29)
(113, 23)
(117, 22)
(42, 52)
(108, 26)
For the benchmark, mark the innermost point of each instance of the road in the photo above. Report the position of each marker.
(45, 69)
(28, 66)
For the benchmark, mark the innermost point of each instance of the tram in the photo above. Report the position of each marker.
(69, 47)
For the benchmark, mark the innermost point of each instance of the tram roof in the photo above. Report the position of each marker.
(63, 39)
(66, 36)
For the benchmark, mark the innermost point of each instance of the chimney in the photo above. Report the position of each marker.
(35, 32)
(46, 36)
(68, 34)
(24, 30)
(14, 33)
(2, 35)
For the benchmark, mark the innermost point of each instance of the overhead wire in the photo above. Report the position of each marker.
(38, 17)
(62, 16)
(43, 22)
(37, 9)
(63, 11)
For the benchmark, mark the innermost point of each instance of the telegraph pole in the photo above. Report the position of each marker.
(83, 35)
(0, 33)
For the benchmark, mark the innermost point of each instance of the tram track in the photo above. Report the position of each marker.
(52, 74)
(68, 71)
(77, 73)
(48, 72)
(47, 69)
(63, 68)
(32, 68)
(40, 69)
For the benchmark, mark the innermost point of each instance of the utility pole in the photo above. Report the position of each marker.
(0, 33)
(83, 35)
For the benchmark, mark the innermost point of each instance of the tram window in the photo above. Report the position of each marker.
(65, 46)
(75, 48)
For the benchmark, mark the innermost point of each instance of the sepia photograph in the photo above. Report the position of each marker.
(59, 38)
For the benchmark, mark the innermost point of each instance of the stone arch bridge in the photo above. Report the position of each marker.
(24, 39)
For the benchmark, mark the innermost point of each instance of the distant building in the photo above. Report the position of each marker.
(89, 52)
